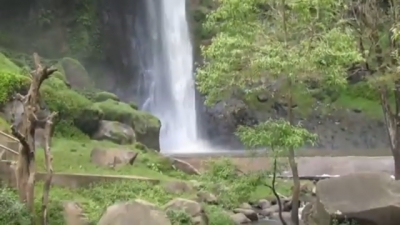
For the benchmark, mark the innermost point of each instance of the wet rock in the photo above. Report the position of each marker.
(239, 218)
(249, 213)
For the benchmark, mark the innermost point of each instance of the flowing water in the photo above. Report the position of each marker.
(168, 78)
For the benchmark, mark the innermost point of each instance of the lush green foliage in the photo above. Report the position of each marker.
(258, 50)
(7, 65)
(11, 83)
(277, 134)
(12, 211)
(221, 175)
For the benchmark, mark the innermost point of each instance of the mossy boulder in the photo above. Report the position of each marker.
(146, 126)
(103, 96)
(7, 65)
(75, 73)
(73, 108)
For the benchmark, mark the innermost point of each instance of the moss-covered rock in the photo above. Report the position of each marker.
(68, 103)
(134, 105)
(146, 126)
(116, 132)
(7, 65)
(103, 96)
(75, 73)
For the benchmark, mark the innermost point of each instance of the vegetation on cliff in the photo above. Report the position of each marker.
(289, 50)
(72, 152)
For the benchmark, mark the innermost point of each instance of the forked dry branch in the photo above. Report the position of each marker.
(25, 133)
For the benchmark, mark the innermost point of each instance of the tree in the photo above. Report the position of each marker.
(32, 118)
(280, 137)
(276, 47)
(376, 27)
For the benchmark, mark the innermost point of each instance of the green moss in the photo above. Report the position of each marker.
(124, 113)
(10, 83)
(4, 126)
(103, 96)
(75, 73)
(59, 76)
(13, 212)
(7, 65)
(133, 105)
(67, 102)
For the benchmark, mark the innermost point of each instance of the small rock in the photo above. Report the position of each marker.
(73, 214)
(184, 167)
(264, 204)
(177, 187)
(239, 218)
(207, 197)
(245, 205)
(249, 213)
(196, 184)
(191, 207)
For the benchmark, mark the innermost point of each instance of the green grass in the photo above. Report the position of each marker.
(73, 156)
(371, 108)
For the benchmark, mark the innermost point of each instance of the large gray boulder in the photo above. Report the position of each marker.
(371, 198)
(116, 132)
(136, 212)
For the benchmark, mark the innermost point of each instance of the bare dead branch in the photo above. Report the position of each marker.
(26, 166)
(48, 132)
(19, 97)
(19, 136)
(36, 60)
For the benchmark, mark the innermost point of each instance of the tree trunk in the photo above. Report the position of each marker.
(26, 167)
(293, 166)
(392, 124)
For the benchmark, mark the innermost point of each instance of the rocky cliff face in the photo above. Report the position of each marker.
(103, 36)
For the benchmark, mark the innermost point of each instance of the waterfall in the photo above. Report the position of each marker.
(167, 81)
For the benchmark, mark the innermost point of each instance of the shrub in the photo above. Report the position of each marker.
(233, 187)
(12, 211)
(11, 83)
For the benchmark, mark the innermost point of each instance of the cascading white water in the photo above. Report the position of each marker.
(169, 76)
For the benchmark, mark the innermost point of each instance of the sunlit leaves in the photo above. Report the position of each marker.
(275, 134)
(252, 49)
